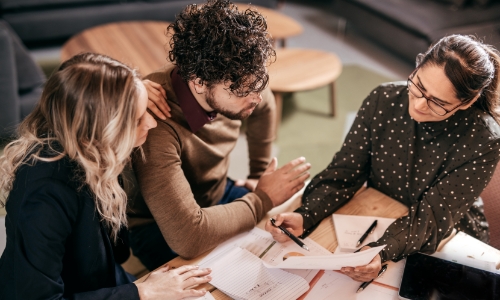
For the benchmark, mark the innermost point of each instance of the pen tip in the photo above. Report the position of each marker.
(305, 247)
(359, 290)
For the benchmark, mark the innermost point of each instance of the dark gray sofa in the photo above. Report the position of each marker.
(44, 21)
(21, 81)
(408, 27)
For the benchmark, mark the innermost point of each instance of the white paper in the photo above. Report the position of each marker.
(349, 230)
(467, 261)
(261, 244)
(241, 275)
(333, 285)
(207, 296)
(328, 262)
(463, 246)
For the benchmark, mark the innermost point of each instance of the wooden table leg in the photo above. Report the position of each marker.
(332, 99)
(279, 107)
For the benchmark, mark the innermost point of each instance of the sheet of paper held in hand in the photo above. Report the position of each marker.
(241, 275)
(261, 245)
(350, 228)
(238, 270)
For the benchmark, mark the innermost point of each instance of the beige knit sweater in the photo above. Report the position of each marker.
(184, 176)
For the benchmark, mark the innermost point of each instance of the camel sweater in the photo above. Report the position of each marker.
(184, 175)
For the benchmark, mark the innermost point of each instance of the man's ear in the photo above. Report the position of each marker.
(198, 86)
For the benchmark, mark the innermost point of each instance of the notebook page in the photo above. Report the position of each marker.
(241, 275)
(333, 285)
(349, 230)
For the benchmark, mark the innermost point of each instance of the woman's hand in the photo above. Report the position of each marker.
(293, 222)
(157, 99)
(364, 273)
(173, 284)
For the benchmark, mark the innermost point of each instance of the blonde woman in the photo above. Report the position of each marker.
(66, 206)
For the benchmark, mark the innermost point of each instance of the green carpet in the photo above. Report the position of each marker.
(308, 130)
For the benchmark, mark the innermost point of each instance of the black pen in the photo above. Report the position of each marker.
(370, 230)
(290, 235)
(365, 284)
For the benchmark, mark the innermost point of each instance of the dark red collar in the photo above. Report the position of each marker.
(195, 115)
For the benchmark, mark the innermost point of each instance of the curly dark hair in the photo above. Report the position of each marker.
(217, 43)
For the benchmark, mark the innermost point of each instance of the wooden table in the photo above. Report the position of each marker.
(300, 70)
(139, 44)
(279, 26)
(367, 202)
(144, 44)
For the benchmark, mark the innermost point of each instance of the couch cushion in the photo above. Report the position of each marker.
(21, 4)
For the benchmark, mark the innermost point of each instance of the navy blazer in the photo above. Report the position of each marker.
(57, 247)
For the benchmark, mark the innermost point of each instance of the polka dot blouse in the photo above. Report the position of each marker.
(437, 169)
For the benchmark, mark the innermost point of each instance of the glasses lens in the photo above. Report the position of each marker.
(436, 108)
(414, 90)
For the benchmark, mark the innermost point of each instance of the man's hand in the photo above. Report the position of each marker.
(364, 273)
(292, 221)
(157, 99)
(250, 184)
(280, 184)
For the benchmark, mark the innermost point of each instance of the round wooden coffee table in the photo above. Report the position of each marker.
(144, 44)
(140, 44)
(303, 69)
(279, 26)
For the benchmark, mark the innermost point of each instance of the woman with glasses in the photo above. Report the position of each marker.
(431, 143)
(66, 205)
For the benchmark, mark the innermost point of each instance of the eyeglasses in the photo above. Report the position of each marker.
(437, 108)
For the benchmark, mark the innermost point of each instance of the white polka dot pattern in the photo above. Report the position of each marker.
(437, 169)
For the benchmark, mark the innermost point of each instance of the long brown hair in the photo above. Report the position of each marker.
(88, 107)
(472, 67)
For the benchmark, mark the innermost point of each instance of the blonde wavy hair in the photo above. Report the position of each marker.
(88, 108)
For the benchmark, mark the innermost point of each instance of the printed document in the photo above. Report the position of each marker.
(349, 230)
(334, 285)
(241, 275)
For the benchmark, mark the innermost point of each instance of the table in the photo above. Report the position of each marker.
(368, 202)
(144, 44)
(139, 44)
(280, 26)
(300, 70)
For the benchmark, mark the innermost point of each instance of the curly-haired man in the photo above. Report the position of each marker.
(187, 204)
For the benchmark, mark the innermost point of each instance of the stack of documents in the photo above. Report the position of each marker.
(249, 265)
(241, 275)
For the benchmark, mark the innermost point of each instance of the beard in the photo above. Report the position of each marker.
(240, 115)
